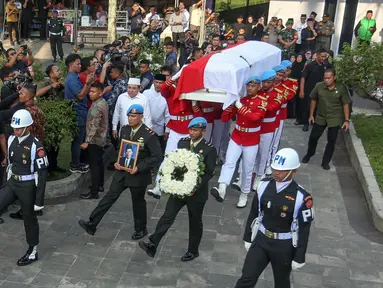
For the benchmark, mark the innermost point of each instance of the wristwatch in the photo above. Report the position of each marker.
(347, 121)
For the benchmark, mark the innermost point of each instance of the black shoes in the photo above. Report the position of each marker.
(306, 159)
(325, 166)
(27, 259)
(139, 235)
(189, 256)
(89, 196)
(305, 127)
(148, 247)
(88, 226)
(99, 189)
(19, 214)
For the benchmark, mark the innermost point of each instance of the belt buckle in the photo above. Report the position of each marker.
(243, 129)
(16, 177)
(182, 118)
(269, 234)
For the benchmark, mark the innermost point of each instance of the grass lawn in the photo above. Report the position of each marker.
(369, 129)
(63, 160)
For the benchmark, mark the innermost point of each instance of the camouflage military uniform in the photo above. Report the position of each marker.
(37, 129)
(287, 36)
(324, 41)
(212, 28)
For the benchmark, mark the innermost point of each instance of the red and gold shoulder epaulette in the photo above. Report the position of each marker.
(150, 131)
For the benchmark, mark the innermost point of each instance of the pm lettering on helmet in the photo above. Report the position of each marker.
(279, 159)
(16, 121)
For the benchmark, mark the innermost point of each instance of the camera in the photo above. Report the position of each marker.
(114, 56)
(18, 80)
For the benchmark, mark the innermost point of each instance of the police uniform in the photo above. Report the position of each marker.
(56, 31)
(268, 127)
(149, 158)
(27, 176)
(244, 142)
(278, 227)
(195, 203)
(281, 116)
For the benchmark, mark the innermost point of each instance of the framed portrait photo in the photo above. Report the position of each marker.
(127, 157)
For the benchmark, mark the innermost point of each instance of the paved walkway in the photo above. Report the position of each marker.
(344, 250)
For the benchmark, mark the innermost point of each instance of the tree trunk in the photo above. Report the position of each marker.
(112, 12)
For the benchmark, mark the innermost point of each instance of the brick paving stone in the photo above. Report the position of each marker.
(344, 249)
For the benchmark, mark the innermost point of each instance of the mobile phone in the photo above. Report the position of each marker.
(25, 47)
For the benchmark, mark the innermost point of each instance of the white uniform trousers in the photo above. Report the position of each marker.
(171, 144)
(234, 152)
(263, 153)
(209, 130)
(221, 136)
(276, 141)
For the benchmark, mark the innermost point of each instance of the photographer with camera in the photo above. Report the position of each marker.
(15, 59)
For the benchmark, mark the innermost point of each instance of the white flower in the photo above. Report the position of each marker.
(136, 41)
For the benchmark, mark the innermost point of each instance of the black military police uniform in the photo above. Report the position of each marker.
(149, 158)
(28, 176)
(56, 32)
(195, 204)
(285, 215)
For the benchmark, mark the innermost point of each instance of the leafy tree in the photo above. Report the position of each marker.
(362, 69)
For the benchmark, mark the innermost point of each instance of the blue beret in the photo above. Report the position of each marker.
(279, 68)
(268, 75)
(198, 122)
(135, 109)
(254, 80)
(287, 64)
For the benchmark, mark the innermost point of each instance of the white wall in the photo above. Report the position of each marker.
(377, 7)
(338, 23)
(294, 8)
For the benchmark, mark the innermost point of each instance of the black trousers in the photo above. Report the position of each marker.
(173, 206)
(26, 193)
(263, 251)
(304, 109)
(26, 25)
(57, 40)
(316, 133)
(43, 28)
(115, 190)
(96, 164)
(13, 25)
(162, 142)
(52, 154)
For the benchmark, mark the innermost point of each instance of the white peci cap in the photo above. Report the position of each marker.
(134, 81)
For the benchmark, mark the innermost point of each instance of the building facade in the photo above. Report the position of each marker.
(344, 13)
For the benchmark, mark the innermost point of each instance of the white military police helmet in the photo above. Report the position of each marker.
(286, 159)
(21, 119)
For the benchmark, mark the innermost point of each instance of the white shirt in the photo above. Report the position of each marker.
(187, 16)
(299, 27)
(282, 185)
(196, 15)
(158, 109)
(123, 103)
(147, 17)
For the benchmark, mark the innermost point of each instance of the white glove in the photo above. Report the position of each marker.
(247, 245)
(194, 103)
(38, 208)
(296, 265)
(238, 104)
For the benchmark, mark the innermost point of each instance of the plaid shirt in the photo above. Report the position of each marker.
(120, 86)
(97, 123)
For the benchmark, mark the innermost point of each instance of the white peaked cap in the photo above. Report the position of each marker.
(134, 81)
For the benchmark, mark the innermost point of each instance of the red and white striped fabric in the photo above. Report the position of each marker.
(228, 70)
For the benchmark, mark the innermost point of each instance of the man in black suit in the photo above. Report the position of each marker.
(127, 160)
(195, 203)
(136, 179)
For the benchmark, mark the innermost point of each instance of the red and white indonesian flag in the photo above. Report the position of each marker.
(221, 77)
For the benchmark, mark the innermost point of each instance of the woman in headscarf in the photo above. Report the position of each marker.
(296, 73)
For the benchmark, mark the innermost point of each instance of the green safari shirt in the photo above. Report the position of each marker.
(330, 104)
